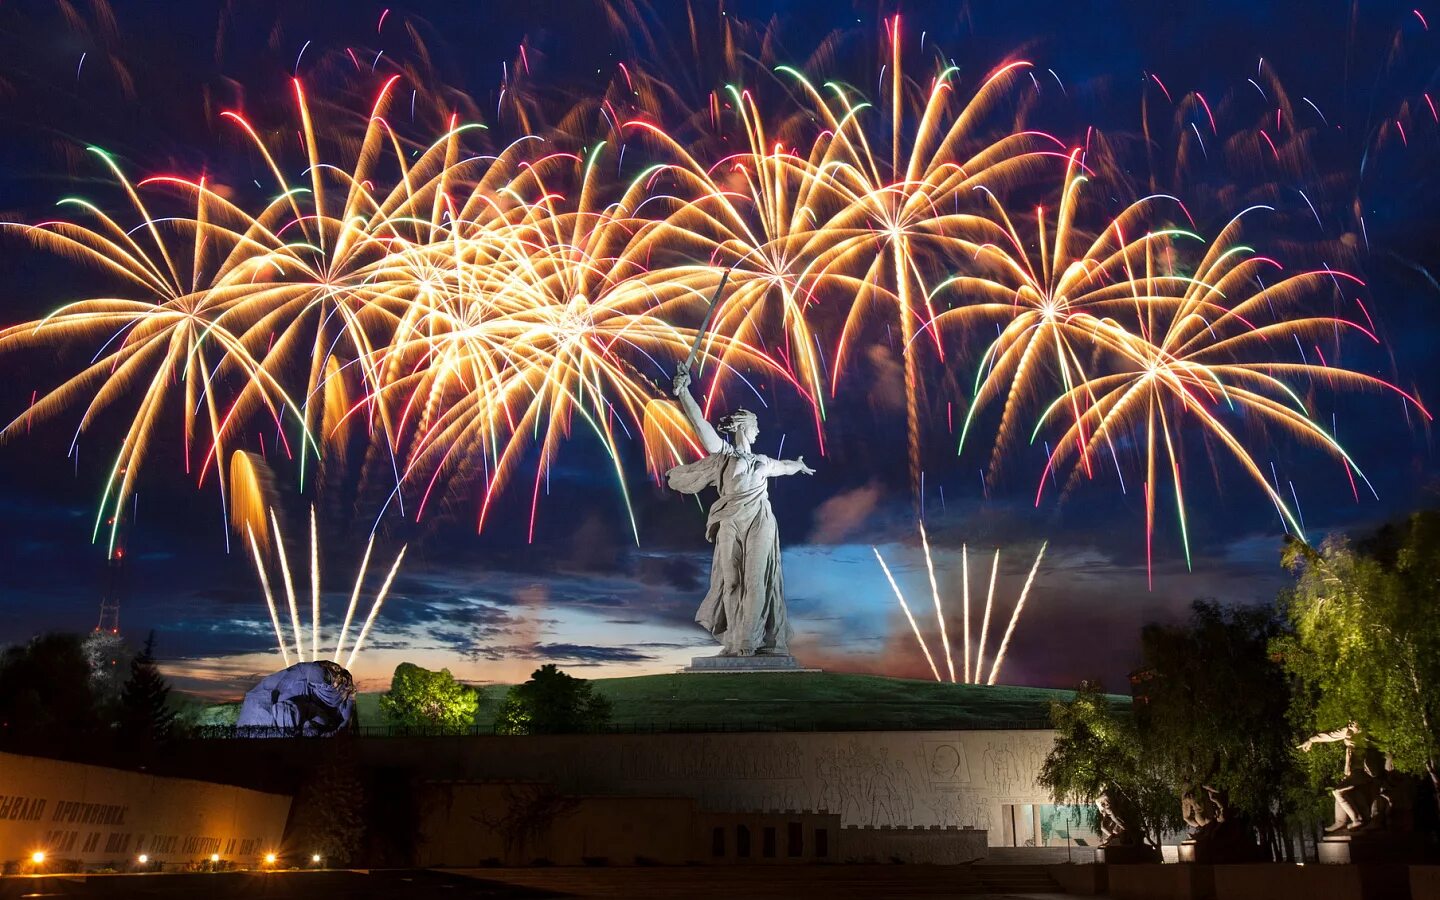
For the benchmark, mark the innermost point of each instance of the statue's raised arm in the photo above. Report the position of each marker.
(703, 430)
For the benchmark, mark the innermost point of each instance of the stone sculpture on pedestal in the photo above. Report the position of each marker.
(744, 608)
(1358, 799)
(309, 699)
(1373, 804)
(1121, 837)
(1220, 833)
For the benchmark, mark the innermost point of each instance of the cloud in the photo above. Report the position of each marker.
(887, 391)
(842, 515)
(583, 654)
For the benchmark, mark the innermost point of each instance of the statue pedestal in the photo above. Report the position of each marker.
(1372, 847)
(1127, 854)
(741, 664)
(1231, 842)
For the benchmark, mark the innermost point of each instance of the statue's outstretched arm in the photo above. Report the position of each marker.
(703, 430)
(790, 467)
(1329, 737)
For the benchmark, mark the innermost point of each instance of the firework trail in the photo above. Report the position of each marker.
(978, 676)
(471, 313)
(261, 571)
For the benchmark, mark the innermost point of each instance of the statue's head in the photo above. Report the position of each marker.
(338, 677)
(741, 425)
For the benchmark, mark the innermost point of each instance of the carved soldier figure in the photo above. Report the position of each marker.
(1358, 796)
(745, 606)
(1116, 821)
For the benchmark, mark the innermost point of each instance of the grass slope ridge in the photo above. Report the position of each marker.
(808, 701)
(794, 701)
(821, 701)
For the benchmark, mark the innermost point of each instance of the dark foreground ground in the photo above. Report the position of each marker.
(830, 882)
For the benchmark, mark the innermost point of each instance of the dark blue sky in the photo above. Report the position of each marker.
(147, 81)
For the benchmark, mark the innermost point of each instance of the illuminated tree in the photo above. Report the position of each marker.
(1366, 643)
(1098, 749)
(429, 699)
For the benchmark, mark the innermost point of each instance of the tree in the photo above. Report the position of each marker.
(329, 814)
(1366, 643)
(425, 698)
(553, 702)
(47, 698)
(145, 720)
(109, 657)
(1097, 749)
(1210, 707)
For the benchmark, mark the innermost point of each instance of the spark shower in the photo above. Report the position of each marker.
(446, 312)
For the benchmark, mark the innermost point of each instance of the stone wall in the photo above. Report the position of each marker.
(880, 778)
(524, 823)
(950, 846)
(95, 815)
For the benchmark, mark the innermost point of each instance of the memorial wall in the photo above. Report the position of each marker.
(980, 779)
(97, 815)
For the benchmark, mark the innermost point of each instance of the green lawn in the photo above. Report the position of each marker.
(788, 701)
(818, 700)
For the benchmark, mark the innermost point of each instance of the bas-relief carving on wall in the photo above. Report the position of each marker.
(1011, 763)
(880, 779)
(702, 758)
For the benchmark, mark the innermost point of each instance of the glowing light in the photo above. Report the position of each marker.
(471, 315)
(977, 676)
(260, 564)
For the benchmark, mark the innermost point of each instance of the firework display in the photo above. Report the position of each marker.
(968, 674)
(467, 305)
(288, 582)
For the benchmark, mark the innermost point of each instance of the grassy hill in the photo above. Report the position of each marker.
(820, 700)
(796, 701)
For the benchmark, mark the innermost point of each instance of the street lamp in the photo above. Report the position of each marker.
(315, 858)
(269, 859)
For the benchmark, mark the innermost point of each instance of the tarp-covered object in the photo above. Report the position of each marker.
(313, 699)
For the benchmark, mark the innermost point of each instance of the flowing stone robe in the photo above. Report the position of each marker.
(745, 606)
(313, 699)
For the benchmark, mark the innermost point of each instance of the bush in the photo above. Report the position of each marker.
(424, 698)
(553, 702)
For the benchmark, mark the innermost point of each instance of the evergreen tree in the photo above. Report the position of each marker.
(146, 719)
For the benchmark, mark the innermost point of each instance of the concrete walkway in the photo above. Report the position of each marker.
(848, 882)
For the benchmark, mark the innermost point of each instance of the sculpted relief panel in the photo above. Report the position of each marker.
(879, 778)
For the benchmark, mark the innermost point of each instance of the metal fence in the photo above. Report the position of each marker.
(236, 732)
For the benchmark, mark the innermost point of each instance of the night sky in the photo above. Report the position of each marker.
(147, 82)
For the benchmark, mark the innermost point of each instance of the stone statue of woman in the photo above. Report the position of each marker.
(745, 606)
